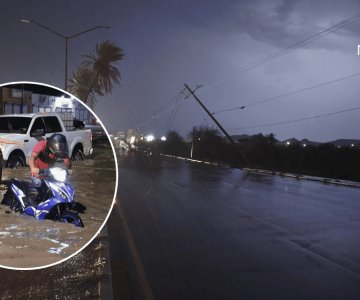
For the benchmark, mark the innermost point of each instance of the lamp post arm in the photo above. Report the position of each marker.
(66, 38)
(49, 29)
(91, 29)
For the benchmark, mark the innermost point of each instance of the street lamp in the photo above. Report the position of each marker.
(66, 38)
(149, 138)
(192, 147)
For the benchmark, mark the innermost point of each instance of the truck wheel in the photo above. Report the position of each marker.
(15, 161)
(77, 155)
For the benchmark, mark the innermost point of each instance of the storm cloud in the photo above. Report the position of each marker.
(208, 43)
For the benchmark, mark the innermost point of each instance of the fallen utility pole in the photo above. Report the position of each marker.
(242, 155)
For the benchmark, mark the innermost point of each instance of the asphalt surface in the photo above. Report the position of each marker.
(188, 231)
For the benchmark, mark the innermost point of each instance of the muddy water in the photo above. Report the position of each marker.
(27, 243)
(84, 276)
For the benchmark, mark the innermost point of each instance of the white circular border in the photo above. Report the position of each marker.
(116, 183)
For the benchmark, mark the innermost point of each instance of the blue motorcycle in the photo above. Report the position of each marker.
(53, 200)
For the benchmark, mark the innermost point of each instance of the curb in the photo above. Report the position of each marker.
(281, 174)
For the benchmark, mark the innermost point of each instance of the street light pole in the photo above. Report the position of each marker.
(66, 62)
(66, 38)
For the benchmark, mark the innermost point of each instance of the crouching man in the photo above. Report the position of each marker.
(46, 153)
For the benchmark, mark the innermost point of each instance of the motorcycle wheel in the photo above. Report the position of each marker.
(71, 217)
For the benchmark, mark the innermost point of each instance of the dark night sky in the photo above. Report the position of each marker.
(169, 43)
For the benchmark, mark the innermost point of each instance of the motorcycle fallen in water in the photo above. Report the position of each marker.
(53, 200)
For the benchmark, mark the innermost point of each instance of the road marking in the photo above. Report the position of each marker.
(144, 282)
(178, 184)
(231, 184)
(281, 174)
(329, 260)
(335, 263)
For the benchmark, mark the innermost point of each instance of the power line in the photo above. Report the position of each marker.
(299, 120)
(290, 48)
(149, 117)
(289, 93)
(157, 111)
(266, 59)
(241, 154)
(171, 108)
(172, 117)
(160, 115)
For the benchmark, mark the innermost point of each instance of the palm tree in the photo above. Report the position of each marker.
(105, 74)
(80, 85)
(97, 75)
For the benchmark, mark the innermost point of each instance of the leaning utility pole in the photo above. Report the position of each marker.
(242, 155)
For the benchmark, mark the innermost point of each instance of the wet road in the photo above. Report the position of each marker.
(203, 232)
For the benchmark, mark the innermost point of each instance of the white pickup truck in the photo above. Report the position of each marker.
(30, 128)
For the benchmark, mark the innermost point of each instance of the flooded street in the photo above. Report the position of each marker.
(84, 276)
(26, 242)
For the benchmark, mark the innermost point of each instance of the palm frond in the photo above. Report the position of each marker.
(97, 73)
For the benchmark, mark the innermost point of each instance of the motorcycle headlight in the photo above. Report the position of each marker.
(58, 174)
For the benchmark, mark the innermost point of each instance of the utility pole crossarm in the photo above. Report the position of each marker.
(242, 155)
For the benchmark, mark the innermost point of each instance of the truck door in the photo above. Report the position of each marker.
(49, 124)
(38, 124)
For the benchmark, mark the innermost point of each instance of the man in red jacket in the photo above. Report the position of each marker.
(46, 153)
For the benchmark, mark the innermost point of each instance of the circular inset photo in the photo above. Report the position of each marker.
(58, 175)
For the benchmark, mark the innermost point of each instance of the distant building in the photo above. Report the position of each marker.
(50, 103)
(133, 132)
(27, 98)
(120, 135)
(15, 101)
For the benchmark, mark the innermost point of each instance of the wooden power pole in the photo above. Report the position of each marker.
(242, 155)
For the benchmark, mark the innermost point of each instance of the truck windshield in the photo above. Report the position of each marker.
(14, 124)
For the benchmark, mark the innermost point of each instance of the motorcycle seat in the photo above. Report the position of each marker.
(31, 192)
(25, 186)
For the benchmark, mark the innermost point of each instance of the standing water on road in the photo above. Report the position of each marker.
(26, 242)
